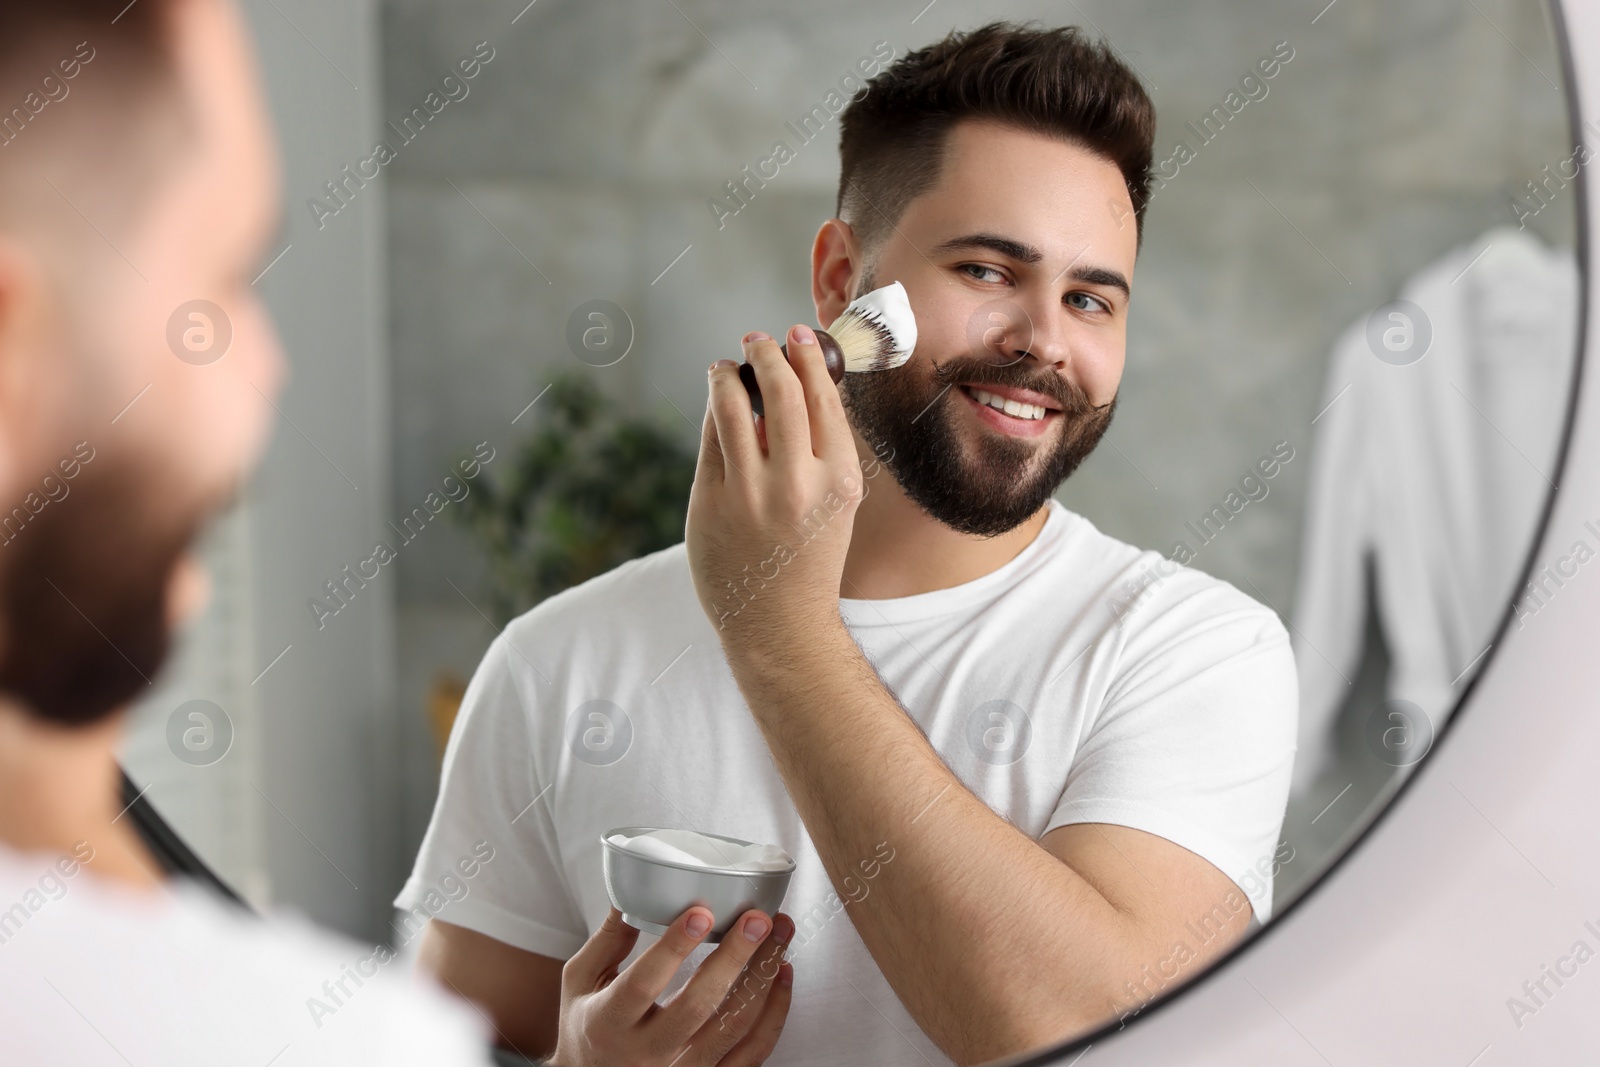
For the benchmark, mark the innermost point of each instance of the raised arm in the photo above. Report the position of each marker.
(994, 942)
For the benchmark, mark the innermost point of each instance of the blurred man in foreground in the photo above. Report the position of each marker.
(138, 184)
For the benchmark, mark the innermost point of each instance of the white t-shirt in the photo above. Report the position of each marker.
(93, 973)
(1082, 681)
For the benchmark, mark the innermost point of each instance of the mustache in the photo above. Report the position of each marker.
(959, 370)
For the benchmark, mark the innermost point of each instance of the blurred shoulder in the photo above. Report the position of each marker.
(177, 974)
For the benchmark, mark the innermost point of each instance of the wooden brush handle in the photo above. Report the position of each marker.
(832, 355)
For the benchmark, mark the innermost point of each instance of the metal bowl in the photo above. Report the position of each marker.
(652, 893)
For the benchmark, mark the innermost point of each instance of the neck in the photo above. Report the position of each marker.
(60, 789)
(898, 550)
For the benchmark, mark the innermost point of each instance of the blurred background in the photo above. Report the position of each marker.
(546, 262)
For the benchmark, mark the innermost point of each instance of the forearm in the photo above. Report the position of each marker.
(992, 944)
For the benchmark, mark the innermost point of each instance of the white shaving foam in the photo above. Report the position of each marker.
(890, 306)
(698, 850)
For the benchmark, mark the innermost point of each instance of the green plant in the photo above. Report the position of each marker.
(586, 492)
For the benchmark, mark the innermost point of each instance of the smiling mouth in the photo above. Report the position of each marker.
(1015, 409)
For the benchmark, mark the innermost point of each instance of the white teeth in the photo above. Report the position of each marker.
(1014, 408)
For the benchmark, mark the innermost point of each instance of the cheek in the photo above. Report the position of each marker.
(1098, 361)
(940, 325)
(989, 325)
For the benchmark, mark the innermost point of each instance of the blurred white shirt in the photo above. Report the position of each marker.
(95, 973)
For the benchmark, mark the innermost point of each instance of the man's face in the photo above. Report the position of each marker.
(90, 587)
(1017, 264)
(206, 237)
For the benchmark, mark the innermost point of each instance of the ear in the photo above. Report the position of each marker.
(836, 268)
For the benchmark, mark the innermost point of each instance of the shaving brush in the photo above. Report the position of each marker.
(875, 332)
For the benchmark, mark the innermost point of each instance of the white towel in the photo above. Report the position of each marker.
(1437, 469)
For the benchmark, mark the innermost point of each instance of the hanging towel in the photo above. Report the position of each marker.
(1437, 470)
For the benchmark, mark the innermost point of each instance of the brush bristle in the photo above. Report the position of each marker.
(877, 331)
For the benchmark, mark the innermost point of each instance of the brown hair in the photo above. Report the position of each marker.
(40, 39)
(1054, 81)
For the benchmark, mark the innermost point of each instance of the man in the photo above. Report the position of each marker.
(138, 184)
(1032, 776)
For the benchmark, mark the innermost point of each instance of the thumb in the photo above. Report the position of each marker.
(595, 964)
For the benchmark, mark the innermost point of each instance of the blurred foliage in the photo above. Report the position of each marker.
(587, 492)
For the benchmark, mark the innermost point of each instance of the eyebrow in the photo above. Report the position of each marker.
(1026, 253)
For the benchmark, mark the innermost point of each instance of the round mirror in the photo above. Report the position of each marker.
(1099, 700)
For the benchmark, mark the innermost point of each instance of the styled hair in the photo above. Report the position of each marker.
(893, 136)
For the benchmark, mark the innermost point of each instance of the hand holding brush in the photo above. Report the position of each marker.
(875, 332)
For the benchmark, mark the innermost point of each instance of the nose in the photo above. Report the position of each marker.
(1035, 329)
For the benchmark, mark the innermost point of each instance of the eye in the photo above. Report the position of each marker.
(1096, 302)
(982, 268)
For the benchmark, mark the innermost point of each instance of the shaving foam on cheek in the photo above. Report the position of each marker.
(698, 850)
(890, 306)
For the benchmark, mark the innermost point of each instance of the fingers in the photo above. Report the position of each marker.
(595, 963)
(730, 408)
(824, 409)
(762, 1038)
(765, 1018)
(709, 468)
(636, 989)
(741, 1010)
(783, 397)
(706, 991)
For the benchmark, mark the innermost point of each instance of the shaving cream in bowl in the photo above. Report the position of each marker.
(654, 874)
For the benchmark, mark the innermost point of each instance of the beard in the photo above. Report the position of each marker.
(83, 589)
(988, 484)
